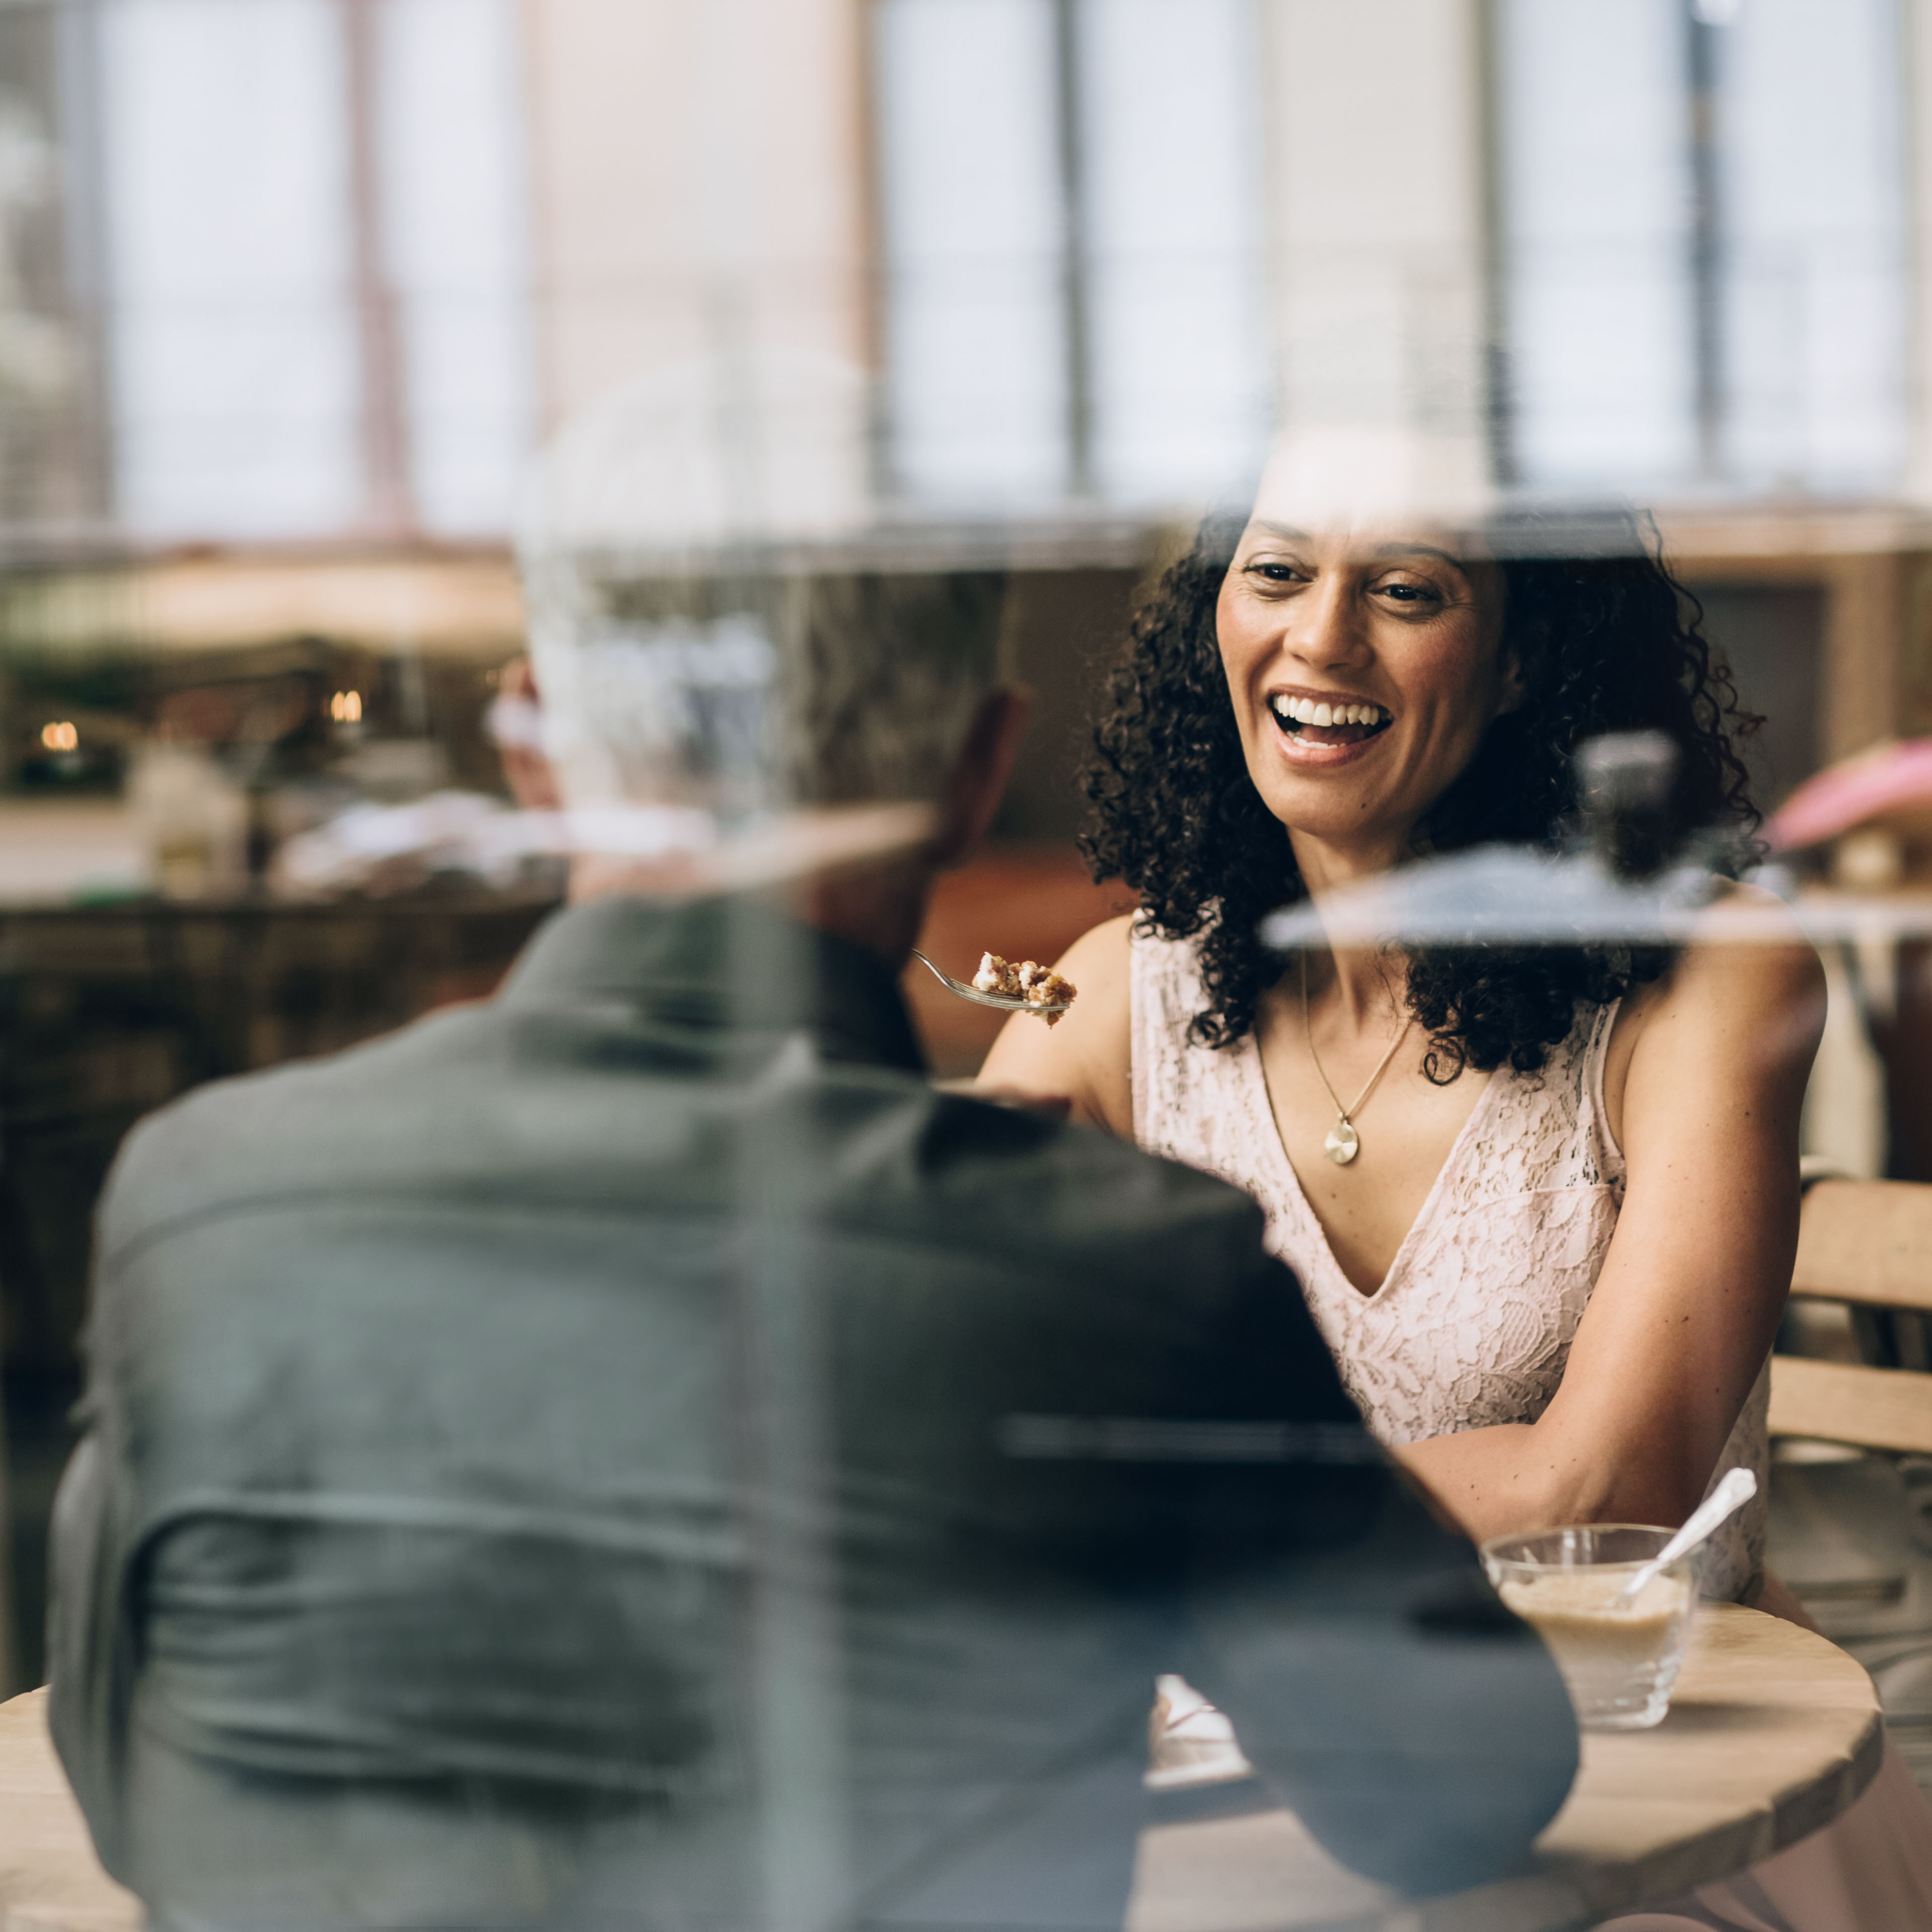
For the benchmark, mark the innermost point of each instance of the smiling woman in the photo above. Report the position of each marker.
(1550, 1237)
(1481, 711)
(1309, 700)
(1310, 626)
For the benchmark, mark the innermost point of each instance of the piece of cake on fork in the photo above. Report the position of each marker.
(1026, 979)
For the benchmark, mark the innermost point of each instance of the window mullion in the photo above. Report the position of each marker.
(390, 507)
(1707, 270)
(1075, 275)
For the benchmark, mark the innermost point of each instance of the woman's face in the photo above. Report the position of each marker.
(1365, 665)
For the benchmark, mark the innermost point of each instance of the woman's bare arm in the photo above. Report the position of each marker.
(1689, 1298)
(1084, 1059)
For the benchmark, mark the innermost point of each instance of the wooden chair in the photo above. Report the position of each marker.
(1868, 1242)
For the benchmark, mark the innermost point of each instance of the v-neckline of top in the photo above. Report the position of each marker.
(1258, 1074)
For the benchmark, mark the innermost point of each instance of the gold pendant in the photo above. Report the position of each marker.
(1343, 1143)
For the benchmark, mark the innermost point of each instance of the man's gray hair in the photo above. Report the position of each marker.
(879, 677)
(736, 693)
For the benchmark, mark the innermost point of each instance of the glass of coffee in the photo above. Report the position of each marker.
(1619, 1661)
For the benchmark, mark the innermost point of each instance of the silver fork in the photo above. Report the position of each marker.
(1006, 1002)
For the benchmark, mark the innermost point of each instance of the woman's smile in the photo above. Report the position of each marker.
(1326, 727)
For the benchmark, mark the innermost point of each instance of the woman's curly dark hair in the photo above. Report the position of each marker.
(1605, 643)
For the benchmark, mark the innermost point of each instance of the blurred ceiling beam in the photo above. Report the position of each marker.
(467, 608)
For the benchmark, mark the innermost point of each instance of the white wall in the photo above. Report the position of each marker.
(1592, 124)
(974, 232)
(1375, 185)
(1170, 109)
(699, 177)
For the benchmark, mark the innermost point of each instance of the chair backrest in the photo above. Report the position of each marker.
(1868, 1242)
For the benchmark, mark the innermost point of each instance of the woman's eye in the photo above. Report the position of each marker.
(1410, 593)
(1275, 573)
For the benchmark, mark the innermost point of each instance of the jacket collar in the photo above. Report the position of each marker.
(734, 964)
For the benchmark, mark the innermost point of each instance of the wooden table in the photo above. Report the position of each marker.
(50, 1880)
(1772, 1733)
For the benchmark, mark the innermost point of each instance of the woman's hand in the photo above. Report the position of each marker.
(1705, 1082)
(1083, 1062)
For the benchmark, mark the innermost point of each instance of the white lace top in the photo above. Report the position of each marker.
(1472, 1324)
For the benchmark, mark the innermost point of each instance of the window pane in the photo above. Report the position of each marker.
(1594, 111)
(1171, 174)
(234, 354)
(452, 166)
(1812, 196)
(975, 306)
(49, 453)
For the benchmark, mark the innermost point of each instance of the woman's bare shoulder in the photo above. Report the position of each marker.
(1742, 1000)
(1748, 955)
(1086, 1059)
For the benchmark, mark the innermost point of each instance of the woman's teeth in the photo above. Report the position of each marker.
(1306, 711)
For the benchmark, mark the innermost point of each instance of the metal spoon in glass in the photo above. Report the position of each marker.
(1732, 1493)
(1005, 1002)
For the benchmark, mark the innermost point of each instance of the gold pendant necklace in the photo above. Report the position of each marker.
(1343, 1143)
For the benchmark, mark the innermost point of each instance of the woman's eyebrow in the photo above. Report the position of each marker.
(1419, 549)
(1387, 550)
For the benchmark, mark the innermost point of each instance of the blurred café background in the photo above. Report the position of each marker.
(292, 291)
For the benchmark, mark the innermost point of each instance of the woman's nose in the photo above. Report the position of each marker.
(1326, 628)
